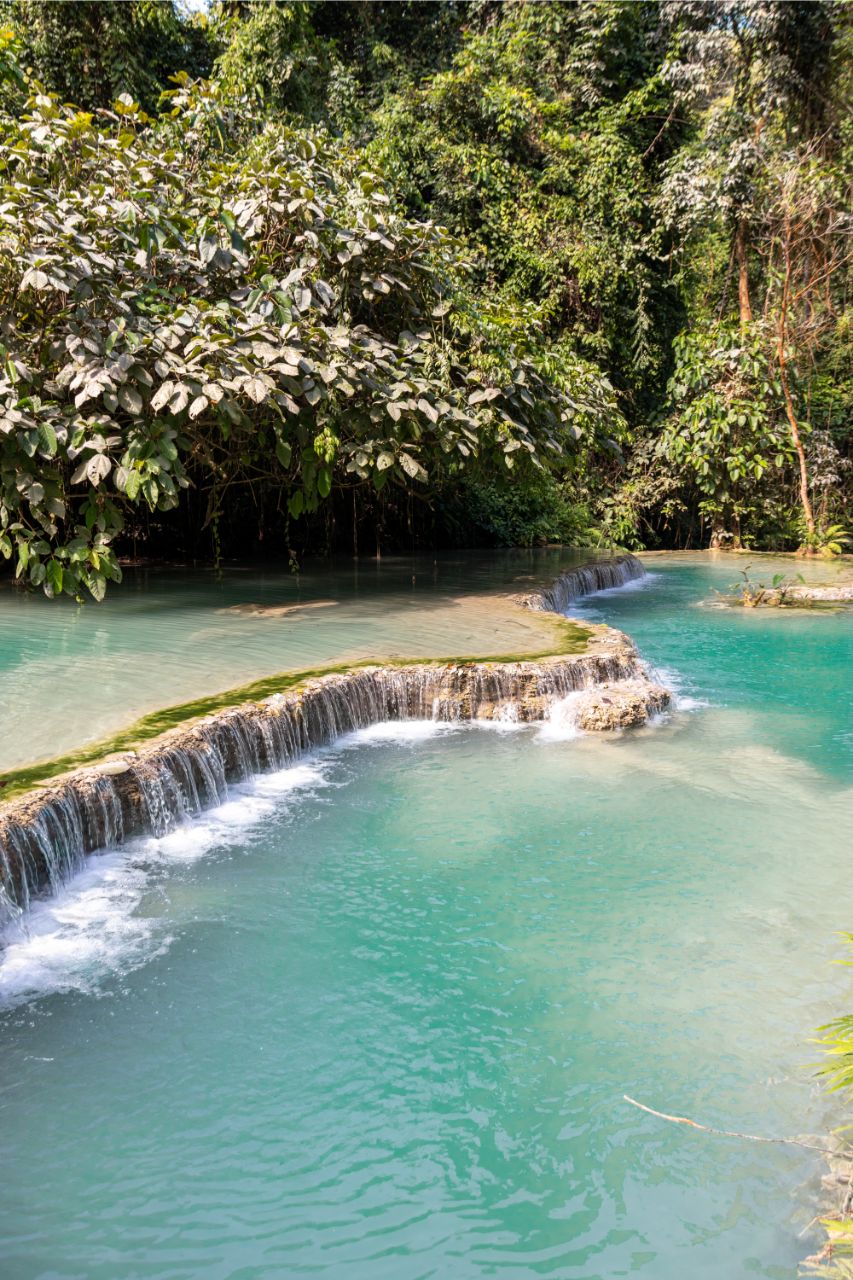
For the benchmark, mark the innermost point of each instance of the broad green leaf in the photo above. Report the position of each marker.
(130, 399)
(47, 438)
(257, 390)
(162, 395)
(54, 576)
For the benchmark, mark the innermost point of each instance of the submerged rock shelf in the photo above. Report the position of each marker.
(45, 835)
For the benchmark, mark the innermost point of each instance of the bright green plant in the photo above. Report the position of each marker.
(727, 428)
(753, 595)
(837, 1043)
(832, 540)
(835, 1259)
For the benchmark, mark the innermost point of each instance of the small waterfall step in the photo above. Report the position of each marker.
(601, 575)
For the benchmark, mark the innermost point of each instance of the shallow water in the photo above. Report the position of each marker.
(376, 1015)
(72, 674)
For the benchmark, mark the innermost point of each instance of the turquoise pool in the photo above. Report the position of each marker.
(375, 1016)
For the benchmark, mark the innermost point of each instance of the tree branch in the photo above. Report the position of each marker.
(731, 1133)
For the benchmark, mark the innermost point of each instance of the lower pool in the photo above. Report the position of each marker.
(374, 1017)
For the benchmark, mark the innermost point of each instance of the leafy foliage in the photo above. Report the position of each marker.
(757, 201)
(245, 314)
(177, 314)
(533, 145)
(91, 53)
(727, 426)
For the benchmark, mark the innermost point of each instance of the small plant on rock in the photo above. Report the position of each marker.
(753, 595)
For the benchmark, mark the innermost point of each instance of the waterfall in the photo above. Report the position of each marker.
(584, 581)
(45, 835)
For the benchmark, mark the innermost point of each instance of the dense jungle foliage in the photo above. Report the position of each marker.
(290, 278)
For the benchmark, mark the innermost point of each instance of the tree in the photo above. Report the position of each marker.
(92, 51)
(613, 175)
(538, 145)
(201, 301)
(727, 427)
(760, 78)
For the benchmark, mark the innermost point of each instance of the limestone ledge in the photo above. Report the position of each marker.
(110, 800)
(620, 705)
(599, 575)
(839, 593)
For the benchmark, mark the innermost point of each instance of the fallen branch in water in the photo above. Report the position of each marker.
(731, 1133)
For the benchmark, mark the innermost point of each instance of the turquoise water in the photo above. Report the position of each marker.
(70, 675)
(788, 670)
(374, 1018)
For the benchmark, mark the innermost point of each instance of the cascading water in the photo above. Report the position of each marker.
(44, 837)
(585, 581)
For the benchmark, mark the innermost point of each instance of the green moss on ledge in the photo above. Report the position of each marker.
(570, 638)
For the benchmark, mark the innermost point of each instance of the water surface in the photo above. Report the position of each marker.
(375, 1016)
(71, 674)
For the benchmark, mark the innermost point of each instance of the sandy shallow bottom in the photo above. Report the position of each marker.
(71, 675)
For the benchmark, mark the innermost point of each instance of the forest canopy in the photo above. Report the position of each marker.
(301, 277)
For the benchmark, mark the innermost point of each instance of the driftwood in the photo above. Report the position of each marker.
(835, 1152)
(827, 1253)
(839, 1229)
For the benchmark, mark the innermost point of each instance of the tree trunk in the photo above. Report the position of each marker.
(744, 305)
(805, 499)
(354, 528)
(719, 534)
(736, 539)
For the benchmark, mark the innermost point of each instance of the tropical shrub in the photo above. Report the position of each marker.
(195, 301)
(727, 427)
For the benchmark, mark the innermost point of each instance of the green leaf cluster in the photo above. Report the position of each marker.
(194, 300)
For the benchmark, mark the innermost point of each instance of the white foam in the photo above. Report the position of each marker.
(399, 731)
(504, 720)
(65, 942)
(675, 682)
(296, 778)
(633, 584)
(411, 732)
(94, 925)
(561, 723)
(685, 703)
(585, 606)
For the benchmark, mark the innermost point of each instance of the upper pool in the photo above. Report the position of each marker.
(71, 674)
